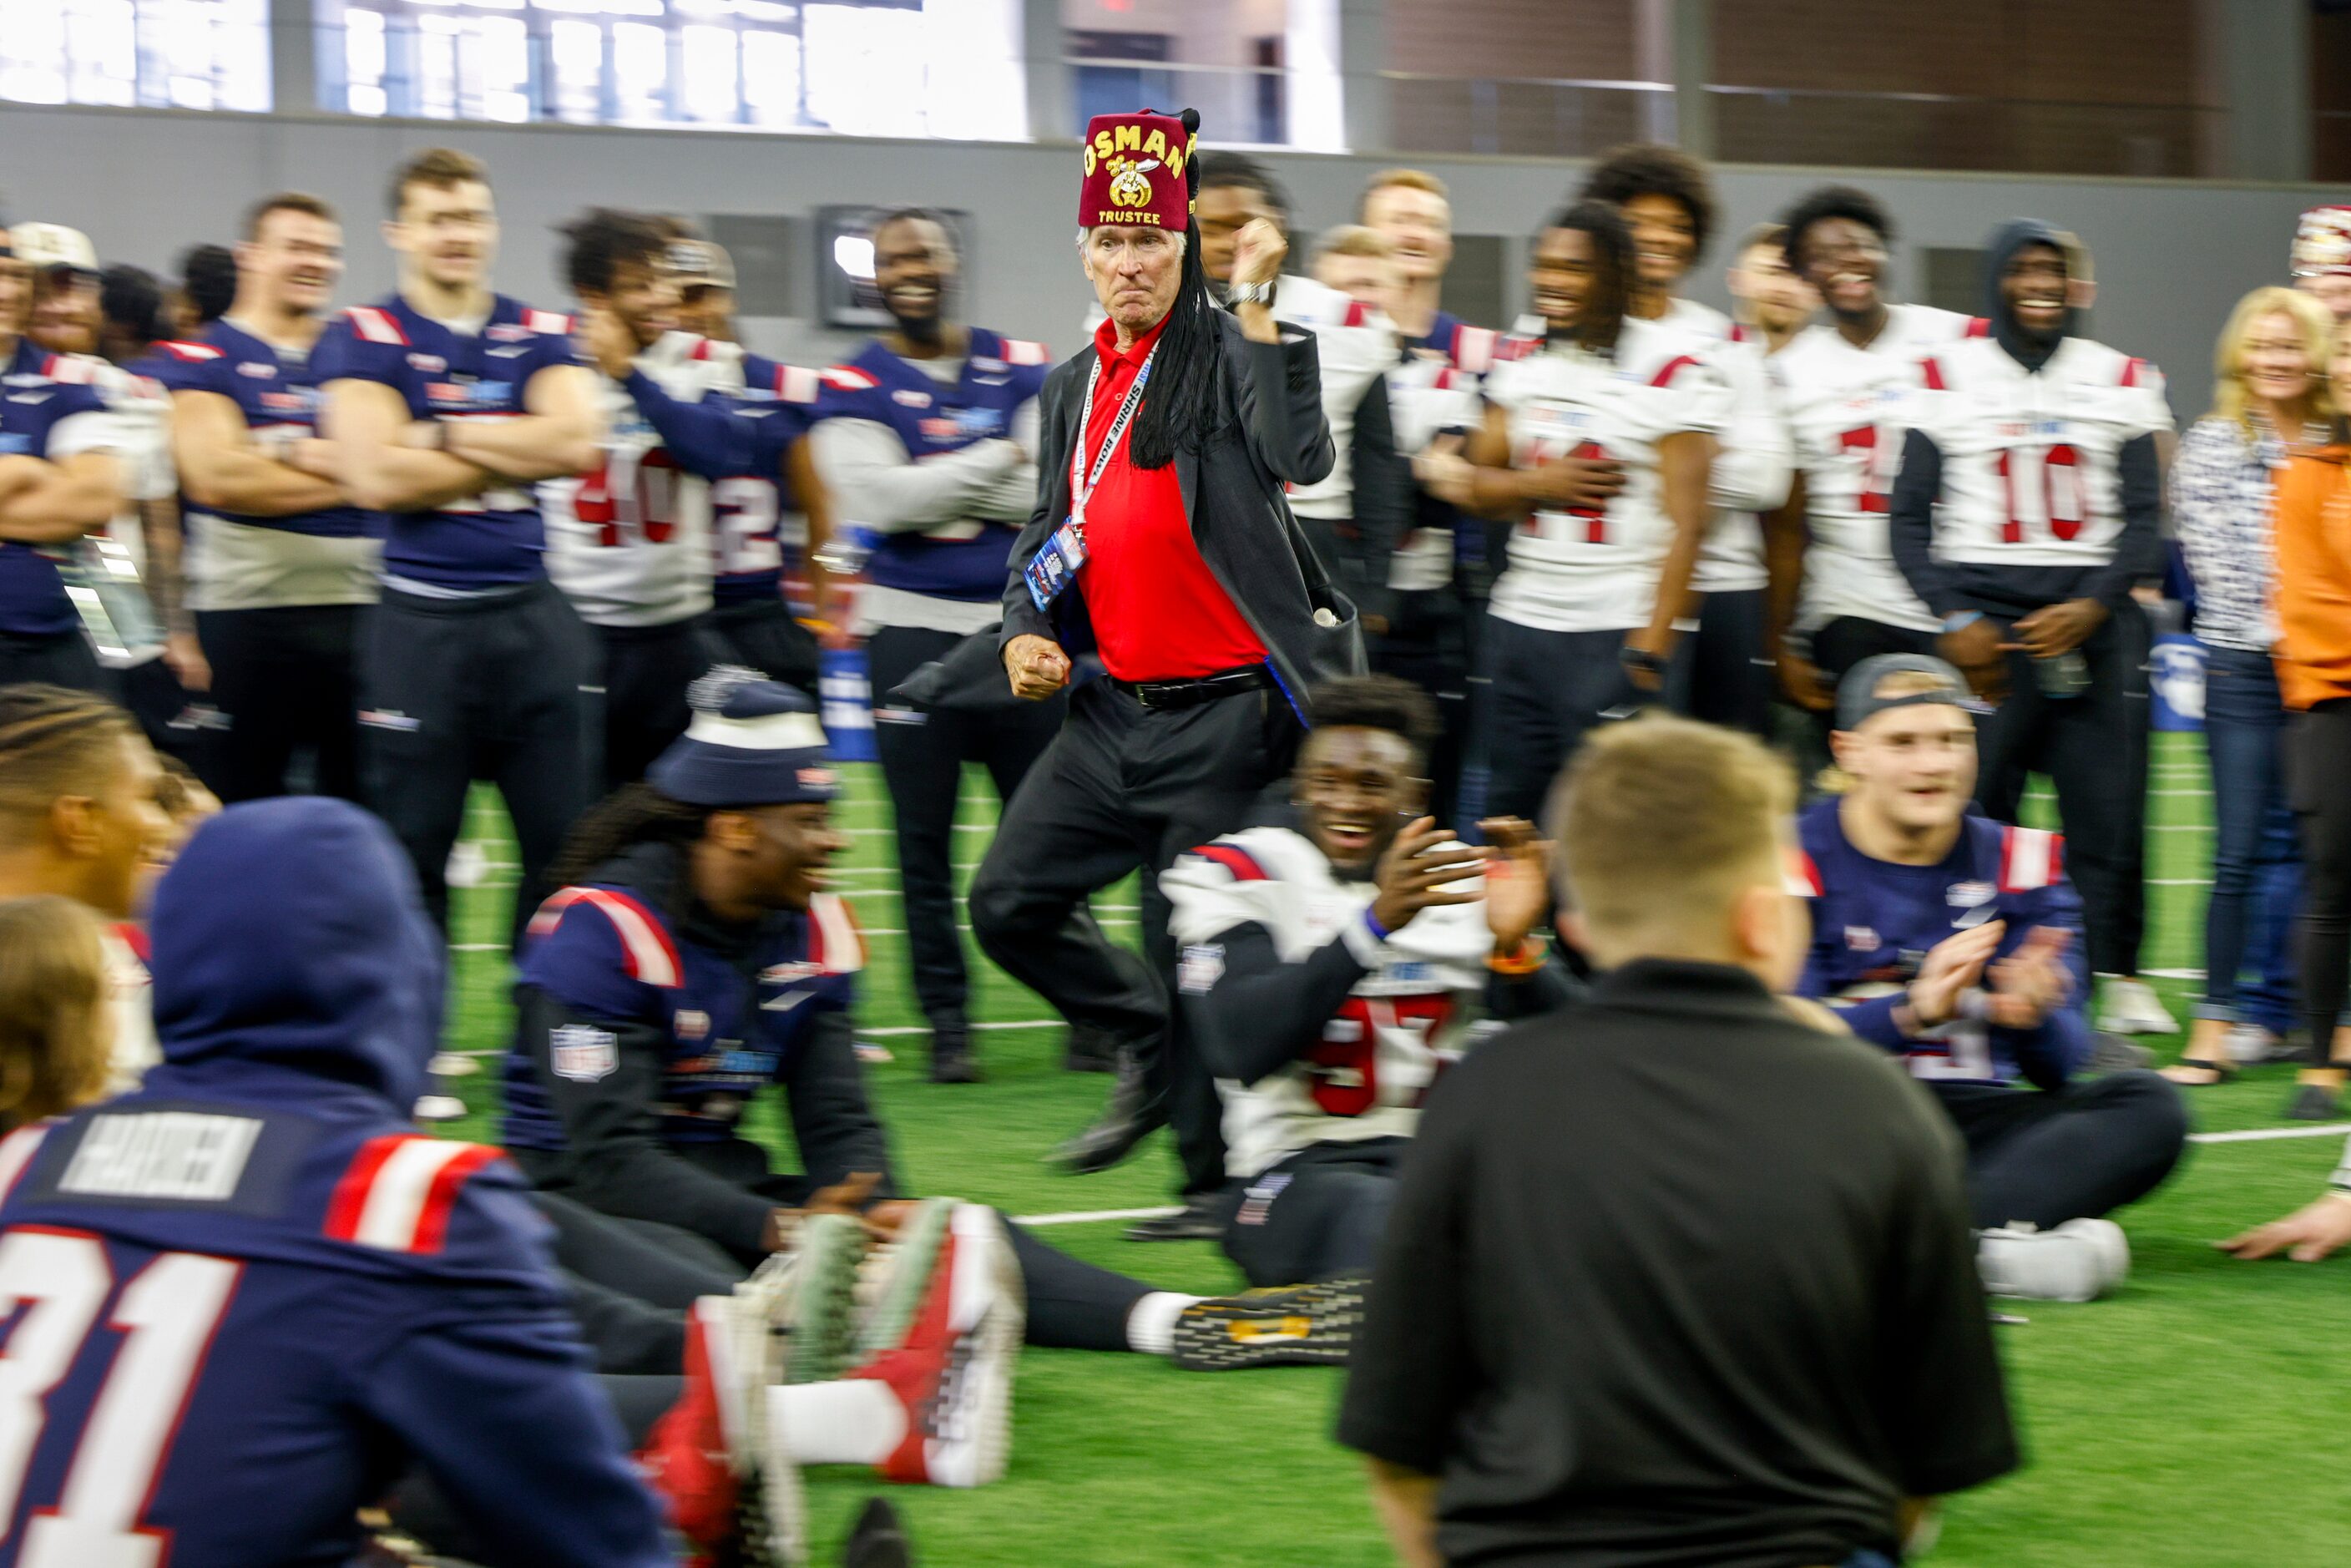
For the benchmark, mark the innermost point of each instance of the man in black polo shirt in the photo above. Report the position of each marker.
(1677, 1276)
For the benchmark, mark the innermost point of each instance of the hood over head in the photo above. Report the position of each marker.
(2006, 241)
(290, 932)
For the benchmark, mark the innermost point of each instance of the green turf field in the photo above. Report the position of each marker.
(2195, 1420)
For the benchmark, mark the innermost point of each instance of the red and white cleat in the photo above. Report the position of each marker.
(953, 1371)
(712, 1459)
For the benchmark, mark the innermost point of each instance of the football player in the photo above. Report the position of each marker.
(1772, 303)
(1598, 439)
(445, 402)
(1335, 966)
(255, 1291)
(696, 959)
(58, 480)
(1955, 942)
(2028, 506)
(927, 436)
(628, 541)
(1848, 383)
(1667, 204)
(280, 563)
(752, 527)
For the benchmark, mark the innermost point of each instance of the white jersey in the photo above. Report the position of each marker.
(111, 563)
(2031, 457)
(1848, 410)
(1595, 570)
(629, 542)
(131, 994)
(1426, 396)
(1416, 1008)
(1754, 462)
(1353, 344)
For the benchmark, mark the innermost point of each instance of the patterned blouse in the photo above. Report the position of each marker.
(2220, 490)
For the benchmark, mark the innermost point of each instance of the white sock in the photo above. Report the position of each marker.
(1151, 1326)
(856, 1421)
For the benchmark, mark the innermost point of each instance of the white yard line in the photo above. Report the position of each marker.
(1087, 1216)
(2266, 1134)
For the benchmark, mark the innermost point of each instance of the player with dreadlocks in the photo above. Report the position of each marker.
(1161, 549)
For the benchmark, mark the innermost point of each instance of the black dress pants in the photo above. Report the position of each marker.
(923, 751)
(489, 688)
(1124, 787)
(2318, 781)
(2047, 1155)
(1426, 642)
(286, 679)
(2093, 747)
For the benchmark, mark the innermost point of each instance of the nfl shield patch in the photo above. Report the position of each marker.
(582, 1052)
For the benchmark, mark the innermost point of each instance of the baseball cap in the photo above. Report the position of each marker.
(752, 742)
(45, 246)
(698, 263)
(1857, 695)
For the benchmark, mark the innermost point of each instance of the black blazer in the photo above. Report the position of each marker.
(1233, 492)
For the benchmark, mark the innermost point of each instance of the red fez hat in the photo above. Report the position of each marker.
(1135, 167)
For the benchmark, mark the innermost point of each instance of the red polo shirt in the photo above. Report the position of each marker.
(1159, 615)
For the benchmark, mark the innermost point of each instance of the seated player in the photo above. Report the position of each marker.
(256, 1293)
(1956, 943)
(1334, 968)
(696, 958)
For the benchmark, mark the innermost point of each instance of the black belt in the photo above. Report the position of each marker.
(1200, 689)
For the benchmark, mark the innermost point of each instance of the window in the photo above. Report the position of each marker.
(1258, 70)
(859, 68)
(149, 54)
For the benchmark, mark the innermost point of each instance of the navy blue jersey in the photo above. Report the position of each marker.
(1874, 922)
(747, 509)
(611, 957)
(277, 392)
(248, 1297)
(963, 560)
(494, 539)
(48, 409)
(1455, 342)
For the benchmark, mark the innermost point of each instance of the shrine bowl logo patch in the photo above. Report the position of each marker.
(582, 1052)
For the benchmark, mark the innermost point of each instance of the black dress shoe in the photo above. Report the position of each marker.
(1091, 1049)
(1200, 1219)
(879, 1540)
(951, 1058)
(1134, 1114)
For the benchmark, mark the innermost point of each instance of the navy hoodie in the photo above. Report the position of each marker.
(256, 1250)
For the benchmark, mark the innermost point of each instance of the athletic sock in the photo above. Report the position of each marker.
(856, 1421)
(1151, 1326)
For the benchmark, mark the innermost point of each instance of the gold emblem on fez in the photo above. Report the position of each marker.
(1128, 188)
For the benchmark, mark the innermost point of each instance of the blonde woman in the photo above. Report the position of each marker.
(56, 1026)
(2270, 395)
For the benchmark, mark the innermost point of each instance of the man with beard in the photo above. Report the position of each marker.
(2028, 506)
(1771, 302)
(1172, 558)
(445, 402)
(928, 437)
(629, 542)
(58, 480)
(280, 563)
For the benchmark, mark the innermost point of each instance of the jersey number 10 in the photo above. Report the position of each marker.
(2062, 500)
(166, 1316)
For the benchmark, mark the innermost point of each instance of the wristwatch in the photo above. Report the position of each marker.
(1248, 294)
(1640, 661)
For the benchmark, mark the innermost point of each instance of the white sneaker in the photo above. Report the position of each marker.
(449, 1064)
(2133, 1008)
(467, 864)
(439, 1108)
(2078, 1261)
(2250, 1045)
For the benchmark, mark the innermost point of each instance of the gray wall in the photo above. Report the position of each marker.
(2172, 257)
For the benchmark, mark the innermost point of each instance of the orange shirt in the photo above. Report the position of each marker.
(2313, 542)
(1158, 612)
